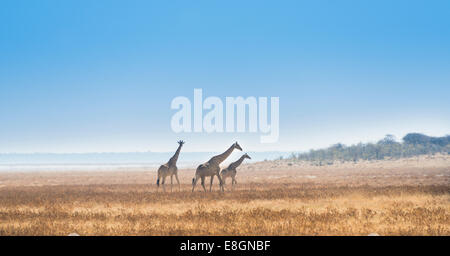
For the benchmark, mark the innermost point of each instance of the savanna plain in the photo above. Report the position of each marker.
(389, 197)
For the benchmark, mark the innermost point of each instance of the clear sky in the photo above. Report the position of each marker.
(89, 76)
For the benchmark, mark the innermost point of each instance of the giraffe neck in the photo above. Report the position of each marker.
(174, 158)
(237, 163)
(220, 158)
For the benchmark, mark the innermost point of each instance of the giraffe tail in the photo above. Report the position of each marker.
(159, 175)
(193, 181)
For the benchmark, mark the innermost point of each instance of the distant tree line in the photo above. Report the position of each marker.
(412, 144)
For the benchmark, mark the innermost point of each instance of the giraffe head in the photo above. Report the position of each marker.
(181, 142)
(236, 146)
(247, 156)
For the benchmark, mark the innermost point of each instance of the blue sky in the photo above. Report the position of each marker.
(99, 76)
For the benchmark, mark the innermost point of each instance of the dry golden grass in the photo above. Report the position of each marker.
(401, 197)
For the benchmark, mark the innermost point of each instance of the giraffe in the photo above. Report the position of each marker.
(170, 169)
(230, 171)
(211, 168)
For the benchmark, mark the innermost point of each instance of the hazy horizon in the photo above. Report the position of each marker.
(48, 161)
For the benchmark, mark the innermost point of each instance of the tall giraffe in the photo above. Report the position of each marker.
(211, 168)
(170, 169)
(230, 171)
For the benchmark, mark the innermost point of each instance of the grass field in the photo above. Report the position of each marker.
(390, 197)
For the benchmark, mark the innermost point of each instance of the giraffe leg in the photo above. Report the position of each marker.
(178, 181)
(211, 182)
(171, 183)
(164, 183)
(194, 182)
(220, 182)
(203, 183)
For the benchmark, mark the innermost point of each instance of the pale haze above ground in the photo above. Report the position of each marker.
(99, 76)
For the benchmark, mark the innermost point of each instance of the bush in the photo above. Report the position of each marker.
(413, 144)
